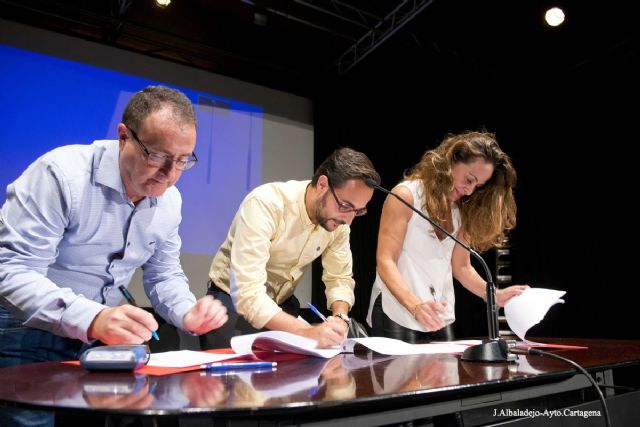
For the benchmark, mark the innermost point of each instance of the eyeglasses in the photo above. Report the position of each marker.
(345, 207)
(157, 160)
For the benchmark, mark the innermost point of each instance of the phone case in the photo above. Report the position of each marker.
(115, 357)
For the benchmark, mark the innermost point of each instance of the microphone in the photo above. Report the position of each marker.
(494, 349)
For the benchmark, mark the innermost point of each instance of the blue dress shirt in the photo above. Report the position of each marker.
(69, 236)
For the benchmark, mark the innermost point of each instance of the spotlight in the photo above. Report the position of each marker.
(163, 3)
(554, 16)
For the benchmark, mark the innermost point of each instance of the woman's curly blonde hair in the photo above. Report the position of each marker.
(490, 211)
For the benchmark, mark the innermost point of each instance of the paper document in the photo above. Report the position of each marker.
(394, 347)
(285, 342)
(291, 343)
(280, 341)
(185, 358)
(529, 308)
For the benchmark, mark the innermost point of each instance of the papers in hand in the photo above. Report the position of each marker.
(529, 308)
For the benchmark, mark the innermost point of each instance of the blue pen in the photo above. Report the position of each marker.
(224, 366)
(254, 371)
(315, 310)
(130, 300)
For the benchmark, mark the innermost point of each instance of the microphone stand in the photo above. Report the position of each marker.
(493, 349)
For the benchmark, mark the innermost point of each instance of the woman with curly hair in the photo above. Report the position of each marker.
(465, 185)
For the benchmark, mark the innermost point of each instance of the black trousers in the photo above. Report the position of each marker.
(382, 326)
(237, 325)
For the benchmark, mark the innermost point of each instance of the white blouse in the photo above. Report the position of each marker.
(424, 261)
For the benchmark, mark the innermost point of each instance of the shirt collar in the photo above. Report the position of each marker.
(304, 215)
(106, 168)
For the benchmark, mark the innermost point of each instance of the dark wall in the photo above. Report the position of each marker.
(572, 151)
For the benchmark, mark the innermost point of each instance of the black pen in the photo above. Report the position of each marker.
(433, 292)
(130, 300)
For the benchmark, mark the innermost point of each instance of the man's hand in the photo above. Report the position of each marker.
(328, 334)
(124, 324)
(206, 315)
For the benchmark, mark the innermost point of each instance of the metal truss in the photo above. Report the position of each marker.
(382, 30)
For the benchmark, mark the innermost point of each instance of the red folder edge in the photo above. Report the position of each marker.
(268, 356)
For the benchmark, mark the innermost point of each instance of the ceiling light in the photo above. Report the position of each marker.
(163, 3)
(554, 16)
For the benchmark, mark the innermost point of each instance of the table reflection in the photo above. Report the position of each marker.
(302, 380)
(415, 372)
(295, 382)
(117, 390)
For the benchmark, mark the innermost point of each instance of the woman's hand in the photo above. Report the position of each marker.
(504, 295)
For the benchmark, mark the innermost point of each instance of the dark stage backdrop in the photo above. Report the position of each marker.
(571, 137)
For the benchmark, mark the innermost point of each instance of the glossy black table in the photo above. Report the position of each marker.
(362, 389)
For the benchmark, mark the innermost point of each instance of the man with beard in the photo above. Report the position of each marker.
(279, 229)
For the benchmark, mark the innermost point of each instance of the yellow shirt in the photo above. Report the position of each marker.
(271, 242)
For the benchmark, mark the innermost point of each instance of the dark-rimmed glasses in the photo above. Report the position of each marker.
(345, 207)
(157, 160)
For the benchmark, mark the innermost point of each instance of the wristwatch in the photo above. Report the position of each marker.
(343, 317)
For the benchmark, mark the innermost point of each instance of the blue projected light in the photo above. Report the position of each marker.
(47, 102)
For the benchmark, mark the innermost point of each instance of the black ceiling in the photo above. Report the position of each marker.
(303, 45)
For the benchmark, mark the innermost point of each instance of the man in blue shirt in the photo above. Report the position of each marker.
(79, 221)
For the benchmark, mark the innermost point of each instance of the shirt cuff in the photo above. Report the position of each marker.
(345, 295)
(177, 313)
(78, 316)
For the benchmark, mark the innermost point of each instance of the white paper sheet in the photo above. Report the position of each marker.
(529, 308)
(395, 347)
(280, 341)
(290, 343)
(185, 358)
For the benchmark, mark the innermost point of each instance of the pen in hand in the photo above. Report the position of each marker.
(317, 312)
(127, 296)
(433, 293)
(435, 299)
(324, 319)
